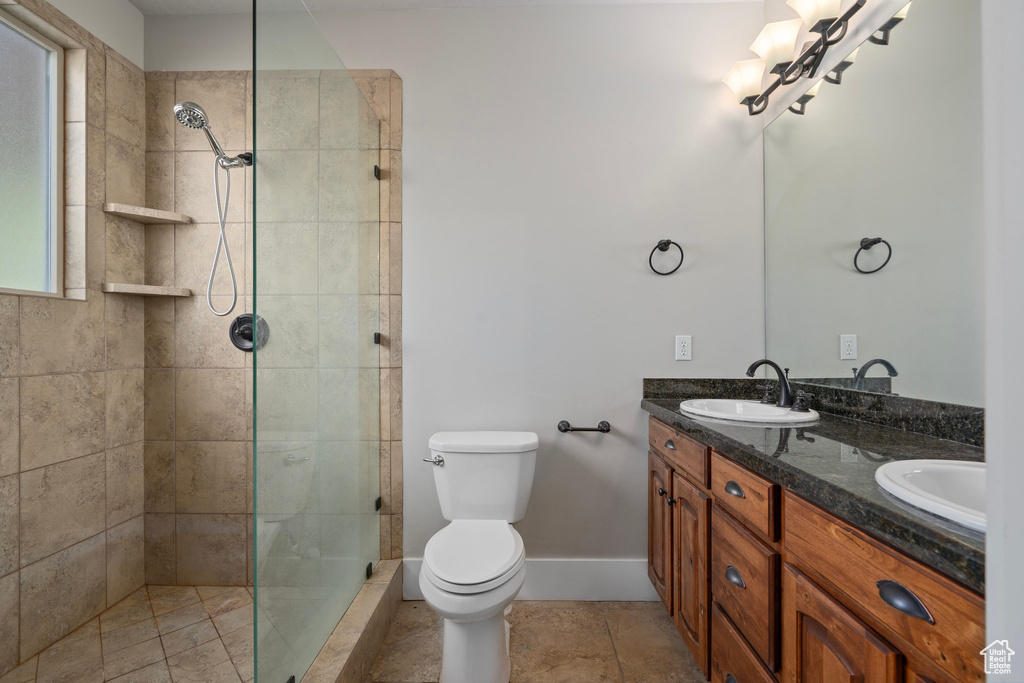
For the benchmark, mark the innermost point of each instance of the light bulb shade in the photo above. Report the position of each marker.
(851, 58)
(813, 90)
(902, 14)
(777, 42)
(744, 78)
(813, 11)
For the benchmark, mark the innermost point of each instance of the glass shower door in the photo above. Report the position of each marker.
(315, 282)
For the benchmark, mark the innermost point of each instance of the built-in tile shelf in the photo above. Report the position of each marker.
(144, 215)
(144, 290)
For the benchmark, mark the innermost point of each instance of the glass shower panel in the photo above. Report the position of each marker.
(316, 417)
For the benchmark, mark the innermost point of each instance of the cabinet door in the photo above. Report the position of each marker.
(690, 530)
(823, 641)
(659, 528)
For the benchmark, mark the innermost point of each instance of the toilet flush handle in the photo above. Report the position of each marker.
(436, 460)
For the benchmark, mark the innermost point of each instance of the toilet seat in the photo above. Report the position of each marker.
(473, 556)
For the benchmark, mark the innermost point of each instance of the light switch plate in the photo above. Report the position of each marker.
(684, 347)
(847, 347)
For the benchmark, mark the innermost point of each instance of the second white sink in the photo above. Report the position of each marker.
(952, 489)
(746, 411)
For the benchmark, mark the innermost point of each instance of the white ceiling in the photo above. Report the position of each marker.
(149, 7)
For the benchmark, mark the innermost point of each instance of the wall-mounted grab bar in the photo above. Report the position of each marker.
(602, 427)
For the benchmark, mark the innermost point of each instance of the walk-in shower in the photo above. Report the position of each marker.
(191, 115)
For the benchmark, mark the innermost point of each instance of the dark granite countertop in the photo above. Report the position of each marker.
(832, 464)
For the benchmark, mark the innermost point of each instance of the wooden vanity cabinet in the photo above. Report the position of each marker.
(659, 528)
(690, 524)
(826, 642)
(812, 609)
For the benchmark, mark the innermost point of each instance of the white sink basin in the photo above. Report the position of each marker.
(952, 489)
(746, 411)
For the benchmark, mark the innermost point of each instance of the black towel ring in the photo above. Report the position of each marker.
(664, 245)
(865, 245)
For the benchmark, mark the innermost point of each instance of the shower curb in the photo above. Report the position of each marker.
(353, 646)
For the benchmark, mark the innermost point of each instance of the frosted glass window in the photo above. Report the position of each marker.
(28, 183)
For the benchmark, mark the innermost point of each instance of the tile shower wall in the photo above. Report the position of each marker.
(198, 451)
(71, 376)
(383, 90)
(198, 425)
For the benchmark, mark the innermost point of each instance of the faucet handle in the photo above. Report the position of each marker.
(767, 398)
(802, 399)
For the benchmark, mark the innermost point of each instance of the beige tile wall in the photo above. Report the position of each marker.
(71, 375)
(197, 423)
(383, 90)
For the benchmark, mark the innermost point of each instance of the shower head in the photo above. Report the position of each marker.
(191, 115)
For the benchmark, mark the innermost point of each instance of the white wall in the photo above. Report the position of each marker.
(116, 22)
(546, 151)
(199, 42)
(876, 157)
(1004, 226)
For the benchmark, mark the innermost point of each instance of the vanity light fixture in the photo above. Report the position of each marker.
(778, 37)
(881, 36)
(800, 105)
(776, 46)
(835, 76)
(744, 78)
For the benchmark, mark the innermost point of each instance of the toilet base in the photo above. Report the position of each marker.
(476, 652)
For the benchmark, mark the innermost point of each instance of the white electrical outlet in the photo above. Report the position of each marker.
(684, 347)
(847, 347)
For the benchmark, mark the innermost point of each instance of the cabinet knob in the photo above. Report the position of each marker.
(671, 501)
(729, 678)
(662, 492)
(734, 576)
(902, 598)
(670, 444)
(734, 489)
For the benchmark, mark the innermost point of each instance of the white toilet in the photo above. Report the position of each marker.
(474, 567)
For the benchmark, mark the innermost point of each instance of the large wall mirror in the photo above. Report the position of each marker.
(892, 152)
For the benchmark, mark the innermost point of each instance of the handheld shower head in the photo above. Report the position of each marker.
(191, 115)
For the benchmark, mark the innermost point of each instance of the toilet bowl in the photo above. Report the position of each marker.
(474, 567)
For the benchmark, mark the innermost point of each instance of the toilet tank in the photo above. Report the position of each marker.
(486, 475)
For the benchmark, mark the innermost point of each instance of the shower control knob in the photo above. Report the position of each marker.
(248, 332)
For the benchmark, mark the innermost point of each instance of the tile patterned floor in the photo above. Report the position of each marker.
(158, 634)
(563, 642)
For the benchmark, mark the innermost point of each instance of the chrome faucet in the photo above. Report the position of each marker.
(858, 381)
(785, 392)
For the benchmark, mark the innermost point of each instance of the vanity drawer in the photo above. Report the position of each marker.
(749, 497)
(682, 452)
(730, 654)
(745, 582)
(951, 631)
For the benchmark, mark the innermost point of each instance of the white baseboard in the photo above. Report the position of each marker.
(565, 579)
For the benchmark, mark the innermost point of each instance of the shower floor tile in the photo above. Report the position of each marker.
(158, 634)
(563, 642)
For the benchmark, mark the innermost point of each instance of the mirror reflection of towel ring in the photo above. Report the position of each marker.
(865, 245)
(664, 245)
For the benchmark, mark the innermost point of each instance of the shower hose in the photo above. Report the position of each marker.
(222, 242)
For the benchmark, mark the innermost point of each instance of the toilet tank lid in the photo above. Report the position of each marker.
(484, 442)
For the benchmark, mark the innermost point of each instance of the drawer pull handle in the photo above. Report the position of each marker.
(670, 444)
(900, 597)
(733, 575)
(729, 678)
(734, 489)
(662, 492)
